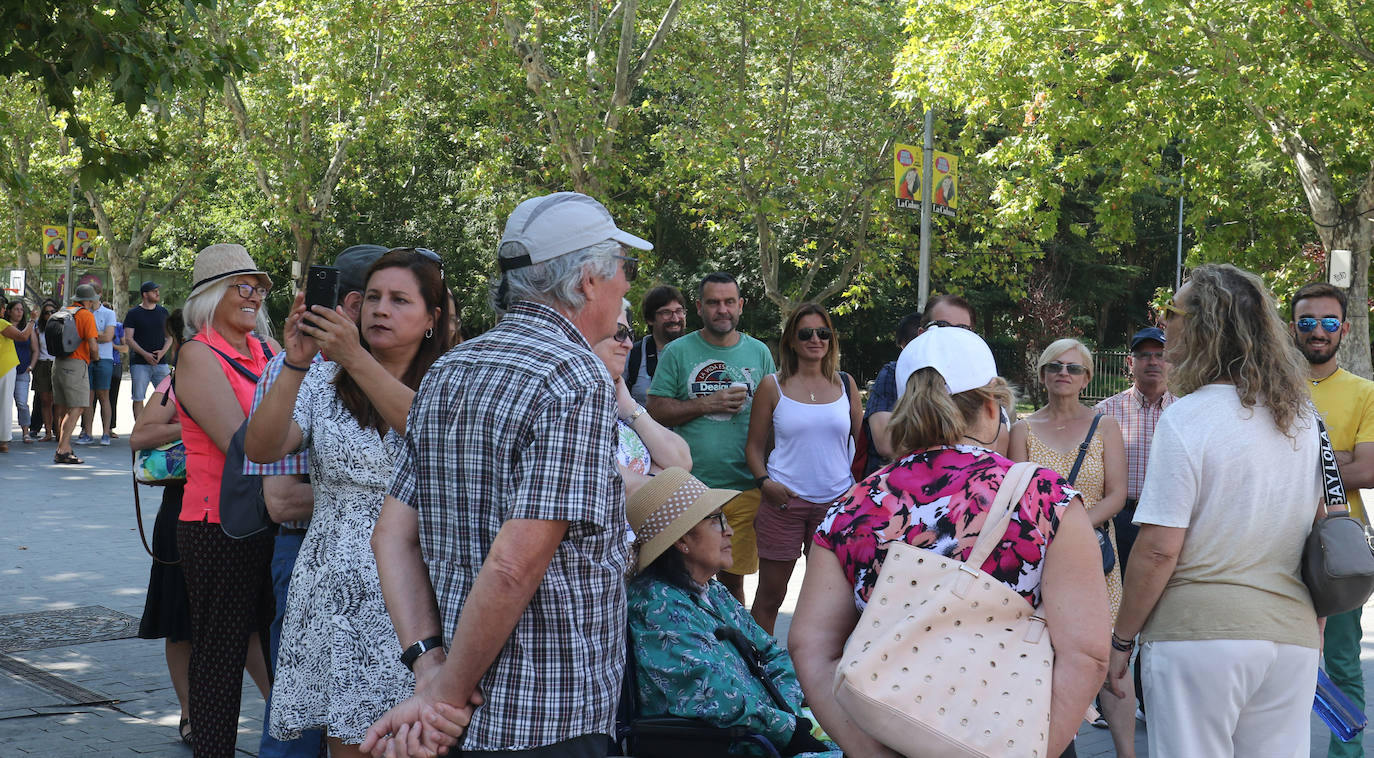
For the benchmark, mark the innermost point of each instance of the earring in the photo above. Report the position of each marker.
(429, 332)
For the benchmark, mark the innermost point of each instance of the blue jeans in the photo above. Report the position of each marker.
(308, 745)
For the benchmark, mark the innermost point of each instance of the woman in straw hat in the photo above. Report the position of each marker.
(228, 581)
(682, 621)
(935, 495)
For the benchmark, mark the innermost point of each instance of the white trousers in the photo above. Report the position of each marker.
(1217, 698)
(7, 404)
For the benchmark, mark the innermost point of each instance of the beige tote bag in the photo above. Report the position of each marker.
(947, 661)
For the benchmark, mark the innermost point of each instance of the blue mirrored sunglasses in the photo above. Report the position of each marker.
(1330, 324)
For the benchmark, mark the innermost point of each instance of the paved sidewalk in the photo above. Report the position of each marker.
(73, 679)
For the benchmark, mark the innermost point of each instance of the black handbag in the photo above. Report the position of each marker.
(1338, 558)
(1104, 540)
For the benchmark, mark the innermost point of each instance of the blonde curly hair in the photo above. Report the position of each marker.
(1234, 335)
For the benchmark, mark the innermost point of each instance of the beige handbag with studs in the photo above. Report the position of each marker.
(946, 660)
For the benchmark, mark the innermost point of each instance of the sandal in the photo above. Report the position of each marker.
(184, 729)
(67, 458)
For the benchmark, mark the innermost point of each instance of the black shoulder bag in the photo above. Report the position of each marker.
(1104, 540)
(1338, 558)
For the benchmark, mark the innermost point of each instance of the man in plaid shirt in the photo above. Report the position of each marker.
(501, 547)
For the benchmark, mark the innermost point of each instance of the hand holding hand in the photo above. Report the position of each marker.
(419, 727)
(1117, 672)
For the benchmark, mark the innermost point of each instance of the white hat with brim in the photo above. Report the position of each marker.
(667, 507)
(553, 225)
(959, 355)
(222, 261)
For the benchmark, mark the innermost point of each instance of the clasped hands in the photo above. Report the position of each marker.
(421, 726)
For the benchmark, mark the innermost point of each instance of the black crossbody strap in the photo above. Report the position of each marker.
(239, 367)
(1333, 489)
(1083, 449)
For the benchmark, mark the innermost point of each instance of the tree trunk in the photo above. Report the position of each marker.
(1357, 236)
(121, 263)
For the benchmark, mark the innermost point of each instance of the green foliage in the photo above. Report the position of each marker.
(140, 52)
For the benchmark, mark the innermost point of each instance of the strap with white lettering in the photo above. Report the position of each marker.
(1333, 489)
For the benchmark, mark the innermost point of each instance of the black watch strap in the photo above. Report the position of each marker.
(759, 480)
(414, 652)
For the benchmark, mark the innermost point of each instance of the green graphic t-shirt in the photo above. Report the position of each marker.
(692, 367)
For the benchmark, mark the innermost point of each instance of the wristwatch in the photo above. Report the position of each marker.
(414, 652)
(759, 480)
(639, 411)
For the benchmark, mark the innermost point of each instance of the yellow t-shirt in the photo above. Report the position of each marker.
(1346, 403)
(9, 357)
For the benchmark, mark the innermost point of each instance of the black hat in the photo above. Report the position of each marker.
(148, 286)
(1148, 333)
(353, 264)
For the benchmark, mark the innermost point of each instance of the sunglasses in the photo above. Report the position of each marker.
(719, 518)
(1145, 355)
(1074, 369)
(246, 290)
(805, 335)
(623, 333)
(1171, 309)
(942, 322)
(1330, 324)
(631, 267)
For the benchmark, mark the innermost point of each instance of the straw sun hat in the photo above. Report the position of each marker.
(668, 507)
(219, 262)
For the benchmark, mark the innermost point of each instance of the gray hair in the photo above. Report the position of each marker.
(555, 282)
(199, 310)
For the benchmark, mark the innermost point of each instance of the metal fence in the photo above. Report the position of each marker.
(1110, 376)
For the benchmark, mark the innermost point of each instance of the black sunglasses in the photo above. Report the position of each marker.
(805, 335)
(631, 267)
(1074, 369)
(942, 322)
(624, 333)
(719, 518)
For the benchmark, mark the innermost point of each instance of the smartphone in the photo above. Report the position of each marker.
(321, 288)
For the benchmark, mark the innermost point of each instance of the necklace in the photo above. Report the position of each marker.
(813, 397)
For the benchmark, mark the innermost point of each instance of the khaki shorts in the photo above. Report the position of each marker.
(739, 514)
(71, 384)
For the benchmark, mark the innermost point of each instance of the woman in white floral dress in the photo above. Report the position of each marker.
(339, 667)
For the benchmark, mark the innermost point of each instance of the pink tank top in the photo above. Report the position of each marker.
(204, 461)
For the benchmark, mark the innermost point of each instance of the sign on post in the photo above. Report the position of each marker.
(906, 178)
(1339, 274)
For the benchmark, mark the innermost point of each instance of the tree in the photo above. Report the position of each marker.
(777, 133)
(32, 174)
(139, 52)
(1112, 88)
(330, 69)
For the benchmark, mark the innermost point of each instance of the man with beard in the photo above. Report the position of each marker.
(705, 387)
(665, 311)
(1346, 403)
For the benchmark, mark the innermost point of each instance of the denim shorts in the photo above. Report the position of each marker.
(143, 374)
(101, 373)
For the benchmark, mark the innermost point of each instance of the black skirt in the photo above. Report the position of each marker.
(166, 612)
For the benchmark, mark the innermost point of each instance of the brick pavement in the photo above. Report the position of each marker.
(71, 542)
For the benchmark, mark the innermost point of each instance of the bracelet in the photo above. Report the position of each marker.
(294, 367)
(1124, 646)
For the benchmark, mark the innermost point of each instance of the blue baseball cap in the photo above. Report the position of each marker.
(1148, 333)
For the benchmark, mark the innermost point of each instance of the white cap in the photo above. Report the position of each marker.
(557, 224)
(961, 357)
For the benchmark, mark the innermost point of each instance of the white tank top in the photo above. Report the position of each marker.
(811, 450)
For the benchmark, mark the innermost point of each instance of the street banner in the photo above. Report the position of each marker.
(906, 177)
(55, 244)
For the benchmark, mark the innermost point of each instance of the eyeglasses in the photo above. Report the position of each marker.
(1174, 310)
(719, 518)
(1074, 369)
(1145, 355)
(942, 322)
(246, 290)
(677, 312)
(1331, 324)
(805, 335)
(631, 267)
(624, 334)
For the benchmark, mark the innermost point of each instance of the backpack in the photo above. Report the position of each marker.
(61, 334)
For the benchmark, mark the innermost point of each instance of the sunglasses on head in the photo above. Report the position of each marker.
(631, 267)
(623, 333)
(805, 335)
(1074, 369)
(1330, 324)
(942, 322)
